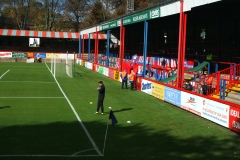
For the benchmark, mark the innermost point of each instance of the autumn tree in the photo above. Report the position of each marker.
(52, 8)
(75, 12)
(98, 14)
(18, 10)
(37, 16)
(63, 15)
(6, 20)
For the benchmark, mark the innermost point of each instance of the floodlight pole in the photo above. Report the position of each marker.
(130, 6)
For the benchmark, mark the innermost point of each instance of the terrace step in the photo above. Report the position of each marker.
(230, 96)
(237, 89)
(234, 95)
(233, 100)
(229, 99)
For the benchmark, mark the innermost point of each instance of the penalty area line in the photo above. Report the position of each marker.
(49, 156)
(77, 116)
(32, 97)
(77, 153)
(4, 73)
(25, 82)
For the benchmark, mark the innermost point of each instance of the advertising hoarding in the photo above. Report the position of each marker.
(172, 96)
(5, 54)
(116, 75)
(39, 55)
(105, 71)
(158, 91)
(234, 119)
(215, 111)
(111, 73)
(19, 55)
(191, 103)
(146, 86)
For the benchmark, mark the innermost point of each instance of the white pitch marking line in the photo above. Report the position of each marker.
(32, 97)
(28, 70)
(26, 82)
(78, 118)
(49, 155)
(75, 154)
(4, 73)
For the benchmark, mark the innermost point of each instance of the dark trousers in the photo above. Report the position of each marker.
(100, 105)
(124, 81)
(132, 84)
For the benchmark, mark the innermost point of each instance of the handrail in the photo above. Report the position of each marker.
(231, 75)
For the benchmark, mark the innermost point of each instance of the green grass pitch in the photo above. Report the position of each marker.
(37, 122)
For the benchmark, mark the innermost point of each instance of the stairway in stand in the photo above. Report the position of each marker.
(232, 78)
(233, 94)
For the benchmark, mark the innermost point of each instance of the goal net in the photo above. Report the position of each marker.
(61, 66)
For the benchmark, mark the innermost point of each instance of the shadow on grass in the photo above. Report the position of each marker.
(78, 74)
(133, 141)
(4, 107)
(123, 109)
(120, 110)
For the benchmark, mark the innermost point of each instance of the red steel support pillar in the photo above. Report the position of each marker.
(181, 46)
(122, 41)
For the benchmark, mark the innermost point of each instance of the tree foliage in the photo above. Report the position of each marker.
(75, 12)
(18, 11)
(63, 15)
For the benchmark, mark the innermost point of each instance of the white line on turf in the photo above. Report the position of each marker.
(37, 70)
(4, 73)
(33, 97)
(77, 153)
(77, 116)
(26, 82)
(49, 155)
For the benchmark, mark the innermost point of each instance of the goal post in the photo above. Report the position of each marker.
(61, 65)
(69, 66)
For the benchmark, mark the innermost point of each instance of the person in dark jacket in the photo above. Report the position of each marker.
(101, 95)
(163, 63)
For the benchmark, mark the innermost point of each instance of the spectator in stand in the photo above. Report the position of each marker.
(131, 79)
(206, 86)
(188, 86)
(163, 63)
(209, 79)
(103, 60)
(124, 78)
(204, 89)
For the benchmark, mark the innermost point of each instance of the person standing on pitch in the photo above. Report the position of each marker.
(101, 95)
(124, 78)
(131, 79)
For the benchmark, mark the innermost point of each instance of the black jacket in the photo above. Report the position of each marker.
(101, 92)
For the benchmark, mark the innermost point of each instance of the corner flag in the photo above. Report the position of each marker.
(113, 118)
